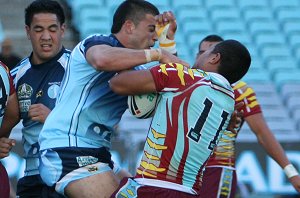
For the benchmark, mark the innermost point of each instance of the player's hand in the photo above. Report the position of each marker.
(38, 112)
(170, 58)
(6, 145)
(236, 118)
(295, 181)
(167, 18)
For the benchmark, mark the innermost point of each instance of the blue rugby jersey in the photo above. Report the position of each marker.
(37, 84)
(193, 112)
(87, 109)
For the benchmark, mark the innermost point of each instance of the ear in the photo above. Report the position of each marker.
(129, 26)
(216, 58)
(63, 29)
(27, 28)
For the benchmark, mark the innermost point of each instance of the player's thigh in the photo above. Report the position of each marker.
(99, 185)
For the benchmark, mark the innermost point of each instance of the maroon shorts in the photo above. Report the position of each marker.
(4, 182)
(129, 185)
(218, 182)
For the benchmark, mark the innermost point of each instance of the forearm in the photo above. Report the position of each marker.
(273, 149)
(133, 83)
(106, 58)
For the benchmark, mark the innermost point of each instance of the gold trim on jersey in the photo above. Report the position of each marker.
(156, 146)
(157, 135)
(239, 85)
(247, 93)
(151, 157)
(151, 167)
(138, 171)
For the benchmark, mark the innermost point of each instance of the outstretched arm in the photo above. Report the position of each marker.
(266, 138)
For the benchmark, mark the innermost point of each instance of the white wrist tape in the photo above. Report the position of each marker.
(148, 55)
(290, 171)
(159, 53)
(164, 42)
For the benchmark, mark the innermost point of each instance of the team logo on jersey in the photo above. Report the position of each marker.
(24, 91)
(24, 95)
(86, 160)
(53, 91)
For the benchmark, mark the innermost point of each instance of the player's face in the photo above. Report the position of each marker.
(144, 35)
(45, 34)
(205, 59)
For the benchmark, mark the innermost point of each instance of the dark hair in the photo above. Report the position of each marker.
(211, 38)
(134, 10)
(235, 59)
(44, 6)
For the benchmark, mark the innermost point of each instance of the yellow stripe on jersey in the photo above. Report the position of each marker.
(227, 163)
(252, 98)
(248, 92)
(225, 140)
(224, 154)
(152, 157)
(155, 146)
(239, 85)
(229, 134)
(151, 167)
(157, 135)
(253, 104)
(124, 195)
(145, 173)
(180, 73)
(191, 73)
(163, 69)
(130, 192)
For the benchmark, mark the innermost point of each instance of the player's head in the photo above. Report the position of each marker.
(229, 58)
(135, 20)
(44, 24)
(207, 42)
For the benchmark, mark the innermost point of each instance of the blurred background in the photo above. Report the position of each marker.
(270, 29)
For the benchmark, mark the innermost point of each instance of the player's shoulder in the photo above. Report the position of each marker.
(21, 68)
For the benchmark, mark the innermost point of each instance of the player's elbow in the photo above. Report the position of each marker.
(117, 87)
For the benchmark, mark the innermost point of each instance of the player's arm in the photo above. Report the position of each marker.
(11, 116)
(268, 141)
(133, 82)
(107, 58)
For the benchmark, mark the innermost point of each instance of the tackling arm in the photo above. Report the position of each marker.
(133, 83)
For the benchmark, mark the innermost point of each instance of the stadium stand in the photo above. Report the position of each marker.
(1, 32)
(246, 4)
(269, 28)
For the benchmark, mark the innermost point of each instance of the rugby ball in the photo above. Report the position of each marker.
(143, 106)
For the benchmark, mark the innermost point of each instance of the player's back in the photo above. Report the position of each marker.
(186, 126)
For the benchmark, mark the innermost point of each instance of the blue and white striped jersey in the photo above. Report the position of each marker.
(37, 84)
